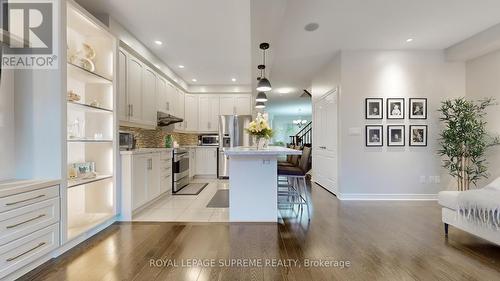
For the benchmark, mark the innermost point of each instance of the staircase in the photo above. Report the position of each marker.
(303, 137)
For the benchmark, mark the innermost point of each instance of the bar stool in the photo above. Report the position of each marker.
(292, 185)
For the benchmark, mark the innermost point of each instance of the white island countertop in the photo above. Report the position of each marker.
(253, 151)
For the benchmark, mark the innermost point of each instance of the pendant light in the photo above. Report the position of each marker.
(264, 85)
(260, 105)
(261, 96)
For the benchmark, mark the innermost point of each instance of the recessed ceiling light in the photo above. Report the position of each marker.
(409, 40)
(181, 66)
(311, 26)
(233, 79)
(194, 80)
(158, 42)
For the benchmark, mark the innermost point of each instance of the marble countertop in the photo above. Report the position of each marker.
(252, 151)
(198, 146)
(145, 150)
(15, 186)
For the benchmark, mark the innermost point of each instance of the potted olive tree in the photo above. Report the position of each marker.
(464, 140)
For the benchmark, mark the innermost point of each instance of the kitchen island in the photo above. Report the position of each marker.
(253, 183)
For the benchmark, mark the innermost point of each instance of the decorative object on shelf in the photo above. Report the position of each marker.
(395, 108)
(418, 108)
(263, 85)
(374, 135)
(464, 139)
(168, 141)
(85, 170)
(259, 128)
(374, 108)
(76, 129)
(396, 135)
(418, 135)
(84, 57)
(95, 103)
(73, 96)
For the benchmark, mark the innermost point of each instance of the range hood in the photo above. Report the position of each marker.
(165, 119)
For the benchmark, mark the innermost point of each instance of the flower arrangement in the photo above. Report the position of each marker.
(260, 128)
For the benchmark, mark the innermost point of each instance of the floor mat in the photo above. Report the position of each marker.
(191, 189)
(220, 199)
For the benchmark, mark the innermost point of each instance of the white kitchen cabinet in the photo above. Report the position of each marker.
(153, 177)
(208, 118)
(122, 87)
(179, 109)
(243, 104)
(240, 104)
(206, 161)
(161, 94)
(149, 96)
(191, 112)
(139, 186)
(166, 172)
(134, 89)
(192, 162)
(325, 134)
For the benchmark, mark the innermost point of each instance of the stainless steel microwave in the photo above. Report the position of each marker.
(209, 140)
(127, 141)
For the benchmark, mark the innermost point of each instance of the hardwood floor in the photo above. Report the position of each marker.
(381, 240)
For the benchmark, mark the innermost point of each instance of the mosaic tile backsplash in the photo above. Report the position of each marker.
(156, 138)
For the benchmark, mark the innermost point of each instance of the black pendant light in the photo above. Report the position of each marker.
(264, 85)
(261, 96)
(260, 105)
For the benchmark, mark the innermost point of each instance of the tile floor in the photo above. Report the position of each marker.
(187, 208)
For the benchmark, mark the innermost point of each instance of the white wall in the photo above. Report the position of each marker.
(483, 75)
(7, 143)
(395, 172)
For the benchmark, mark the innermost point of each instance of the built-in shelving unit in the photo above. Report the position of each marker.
(91, 123)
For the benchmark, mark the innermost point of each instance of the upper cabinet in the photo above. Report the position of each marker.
(208, 113)
(179, 109)
(240, 104)
(191, 112)
(162, 95)
(149, 97)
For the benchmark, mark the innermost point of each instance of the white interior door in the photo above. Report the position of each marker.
(325, 144)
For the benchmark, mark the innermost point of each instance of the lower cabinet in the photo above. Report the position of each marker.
(206, 161)
(145, 176)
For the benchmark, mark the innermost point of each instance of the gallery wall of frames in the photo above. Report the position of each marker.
(396, 135)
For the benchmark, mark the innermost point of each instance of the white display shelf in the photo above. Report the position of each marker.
(86, 221)
(85, 107)
(78, 182)
(84, 75)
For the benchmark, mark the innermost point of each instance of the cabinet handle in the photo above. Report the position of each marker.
(25, 200)
(168, 107)
(209, 125)
(234, 109)
(131, 110)
(26, 221)
(25, 252)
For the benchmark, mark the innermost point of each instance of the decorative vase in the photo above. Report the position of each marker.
(262, 143)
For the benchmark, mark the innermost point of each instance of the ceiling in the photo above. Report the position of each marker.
(218, 40)
(297, 55)
(211, 39)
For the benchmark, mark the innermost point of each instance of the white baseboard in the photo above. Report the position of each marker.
(386, 197)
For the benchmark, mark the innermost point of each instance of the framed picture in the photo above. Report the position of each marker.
(395, 108)
(418, 135)
(374, 135)
(418, 108)
(396, 135)
(374, 108)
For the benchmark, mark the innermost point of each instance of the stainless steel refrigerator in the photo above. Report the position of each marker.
(232, 134)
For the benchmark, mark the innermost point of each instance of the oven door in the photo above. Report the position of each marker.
(180, 170)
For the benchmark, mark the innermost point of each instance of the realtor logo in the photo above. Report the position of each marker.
(28, 34)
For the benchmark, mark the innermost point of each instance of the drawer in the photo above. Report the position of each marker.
(27, 198)
(25, 220)
(23, 251)
(167, 172)
(166, 156)
(165, 163)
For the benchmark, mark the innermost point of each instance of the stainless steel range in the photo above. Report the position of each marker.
(180, 169)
